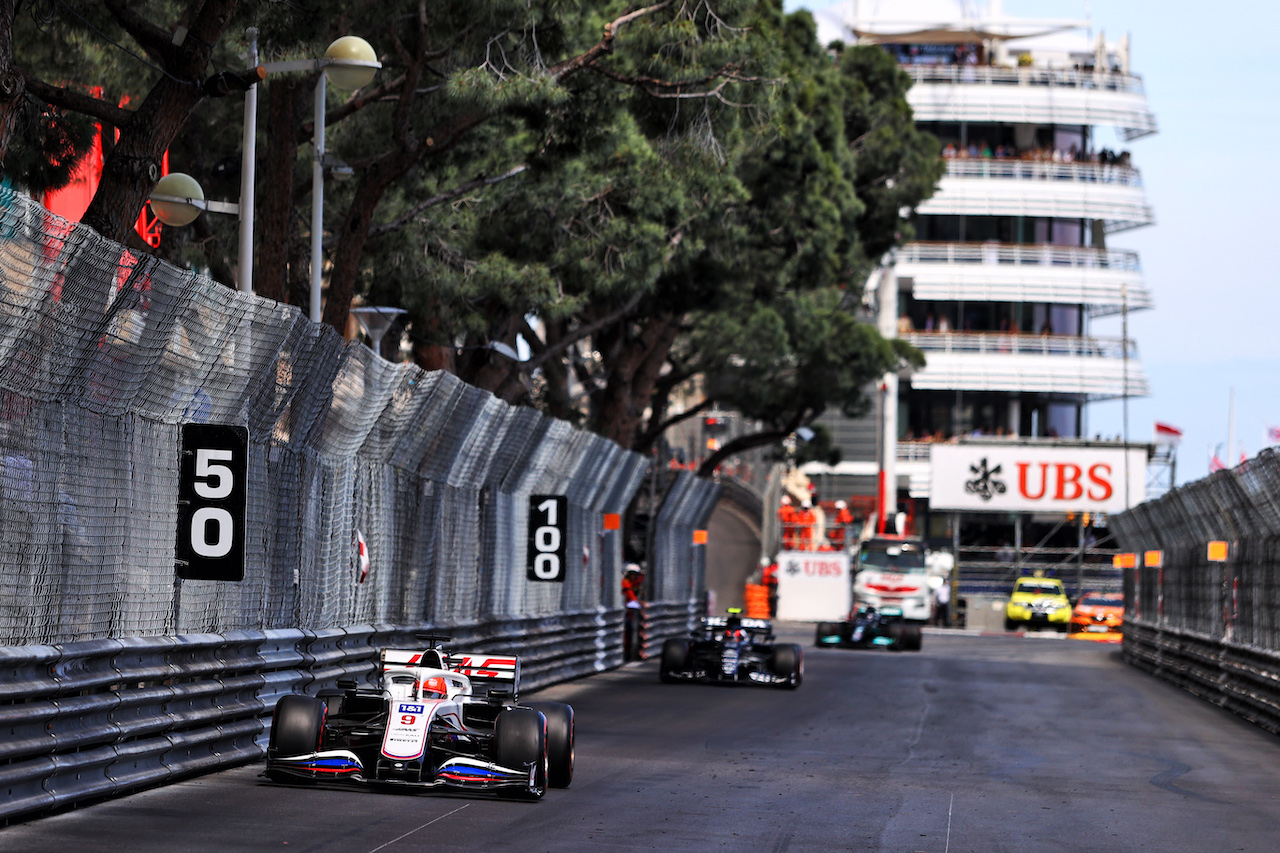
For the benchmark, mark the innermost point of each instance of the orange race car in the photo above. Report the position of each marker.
(1098, 616)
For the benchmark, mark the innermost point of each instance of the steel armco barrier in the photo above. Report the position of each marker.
(1239, 678)
(1210, 626)
(106, 717)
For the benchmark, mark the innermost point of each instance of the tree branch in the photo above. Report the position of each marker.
(79, 102)
(156, 42)
(585, 331)
(751, 441)
(400, 221)
(605, 45)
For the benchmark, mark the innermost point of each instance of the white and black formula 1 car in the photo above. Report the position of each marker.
(435, 720)
(732, 650)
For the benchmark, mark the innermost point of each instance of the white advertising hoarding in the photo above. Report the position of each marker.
(1024, 478)
(814, 586)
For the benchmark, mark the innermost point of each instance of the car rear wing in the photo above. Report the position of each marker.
(757, 627)
(485, 672)
(488, 672)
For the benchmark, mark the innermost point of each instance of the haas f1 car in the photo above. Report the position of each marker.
(733, 650)
(868, 627)
(434, 720)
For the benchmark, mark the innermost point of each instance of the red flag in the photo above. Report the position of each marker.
(362, 557)
(1166, 434)
(1273, 434)
(1215, 464)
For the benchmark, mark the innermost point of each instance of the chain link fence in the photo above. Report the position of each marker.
(1234, 600)
(1210, 626)
(105, 353)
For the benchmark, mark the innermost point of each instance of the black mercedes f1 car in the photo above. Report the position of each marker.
(732, 650)
(868, 627)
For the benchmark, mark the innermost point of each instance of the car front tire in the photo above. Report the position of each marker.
(297, 725)
(675, 658)
(788, 662)
(520, 739)
(560, 749)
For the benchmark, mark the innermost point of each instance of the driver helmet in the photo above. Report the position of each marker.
(434, 687)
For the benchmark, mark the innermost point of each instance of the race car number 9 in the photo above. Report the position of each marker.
(213, 463)
(548, 517)
(408, 719)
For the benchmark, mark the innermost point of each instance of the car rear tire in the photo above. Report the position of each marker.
(560, 751)
(675, 658)
(825, 629)
(520, 739)
(1010, 625)
(297, 725)
(911, 638)
(788, 662)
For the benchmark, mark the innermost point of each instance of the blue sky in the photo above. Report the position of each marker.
(1212, 176)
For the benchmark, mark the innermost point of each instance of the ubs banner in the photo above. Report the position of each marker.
(1021, 478)
(814, 586)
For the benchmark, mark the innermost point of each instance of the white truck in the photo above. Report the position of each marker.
(896, 573)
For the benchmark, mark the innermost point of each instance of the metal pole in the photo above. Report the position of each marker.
(317, 202)
(247, 173)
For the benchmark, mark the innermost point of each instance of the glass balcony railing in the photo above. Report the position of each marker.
(1043, 170)
(1012, 343)
(1039, 255)
(993, 76)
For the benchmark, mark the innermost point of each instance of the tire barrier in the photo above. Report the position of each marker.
(102, 718)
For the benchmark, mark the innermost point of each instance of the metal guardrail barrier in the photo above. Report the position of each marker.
(1210, 626)
(107, 717)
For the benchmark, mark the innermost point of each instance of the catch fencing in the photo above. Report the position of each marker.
(104, 355)
(1211, 626)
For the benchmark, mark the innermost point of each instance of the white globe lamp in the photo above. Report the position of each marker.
(181, 186)
(346, 49)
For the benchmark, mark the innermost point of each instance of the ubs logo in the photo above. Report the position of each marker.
(984, 483)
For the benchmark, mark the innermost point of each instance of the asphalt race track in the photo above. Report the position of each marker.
(976, 743)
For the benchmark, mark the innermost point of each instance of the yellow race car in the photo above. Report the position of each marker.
(1037, 603)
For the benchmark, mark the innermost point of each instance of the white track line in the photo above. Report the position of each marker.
(424, 826)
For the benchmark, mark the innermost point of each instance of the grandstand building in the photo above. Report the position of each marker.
(1014, 286)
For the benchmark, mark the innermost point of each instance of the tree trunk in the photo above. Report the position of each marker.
(12, 84)
(133, 167)
(274, 214)
(632, 376)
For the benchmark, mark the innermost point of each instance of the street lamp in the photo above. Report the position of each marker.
(374, 321)
(349, 63)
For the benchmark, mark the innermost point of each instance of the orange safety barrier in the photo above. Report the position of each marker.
(755, 601)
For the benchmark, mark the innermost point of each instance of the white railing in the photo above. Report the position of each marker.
(1011, 253)
(992, 76)
(1009, 343)
(1043, 170)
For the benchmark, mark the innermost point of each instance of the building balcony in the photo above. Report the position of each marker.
(1107, 282)
(1090, 367)
(1037, 188)
(968, 93)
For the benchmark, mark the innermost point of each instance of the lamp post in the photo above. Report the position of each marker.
(374, 321)
(350, 63)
